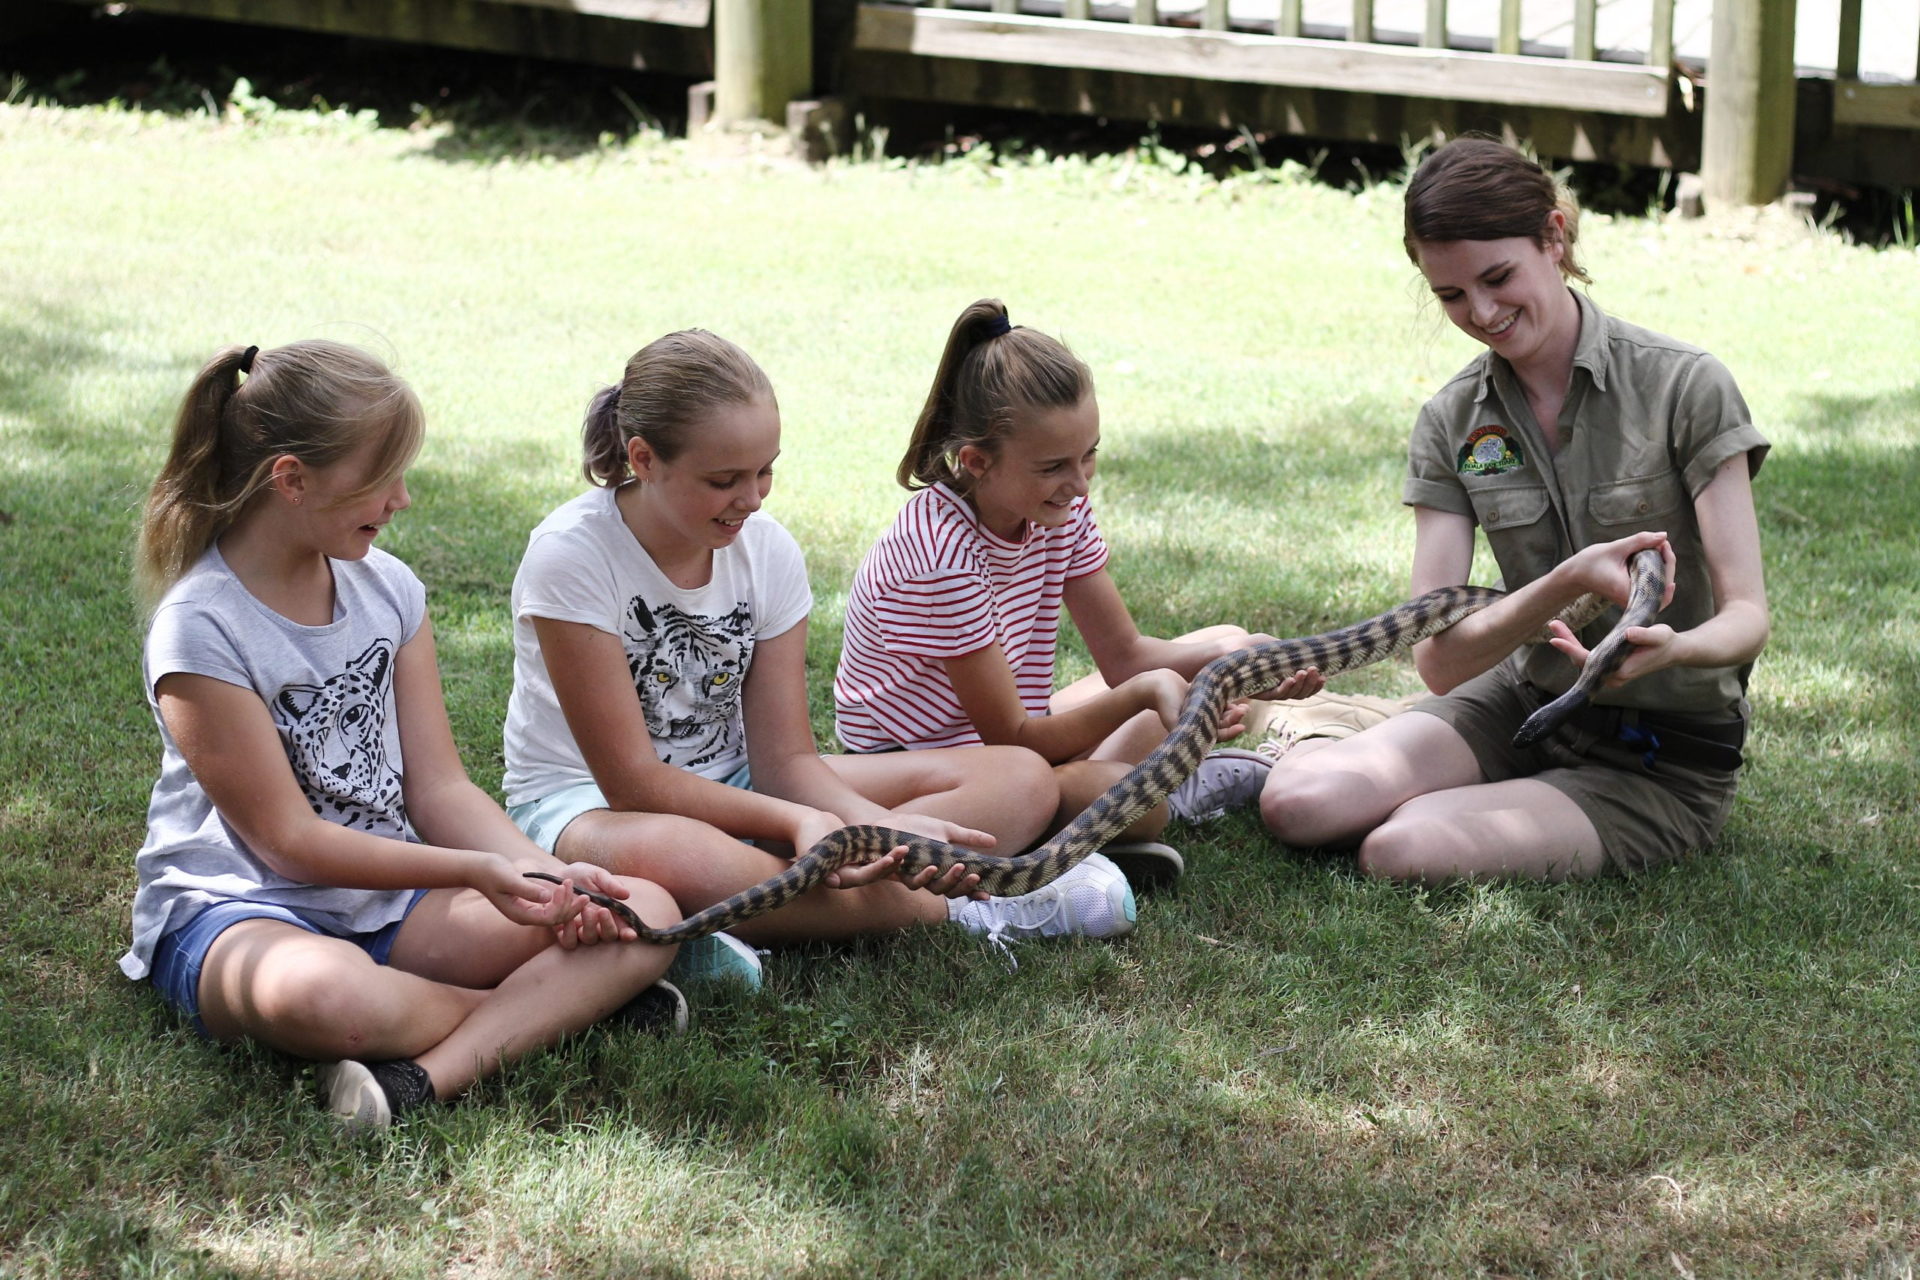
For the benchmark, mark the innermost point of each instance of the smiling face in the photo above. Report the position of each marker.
(344, 506)
(1037, 471)
(1508, 294)
(697, 502)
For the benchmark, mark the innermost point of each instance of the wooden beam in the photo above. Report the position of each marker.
(1288, 21)
(1361, 29)
(1747, 140)
(1434, 34)
(1328, 115)
(762, 58)
(532, 30)
(1447, 74)
(1882, 106)
(679, 13)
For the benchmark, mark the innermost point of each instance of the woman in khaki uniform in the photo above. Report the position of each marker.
(1573, 441)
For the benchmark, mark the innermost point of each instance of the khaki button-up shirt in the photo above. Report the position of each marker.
(1646, 423)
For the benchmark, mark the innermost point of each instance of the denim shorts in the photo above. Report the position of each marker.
(180, 953)
(544, 819)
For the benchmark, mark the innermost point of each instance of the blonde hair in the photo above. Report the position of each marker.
(990, 372)
(669, 386)
(1476, 188)
(316, 401)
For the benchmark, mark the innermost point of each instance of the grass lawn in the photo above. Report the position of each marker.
(1708, 1071)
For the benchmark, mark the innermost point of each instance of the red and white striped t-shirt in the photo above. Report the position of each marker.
(939, 585)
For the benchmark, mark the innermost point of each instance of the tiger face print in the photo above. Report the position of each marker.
(336, 742)
(689, 670)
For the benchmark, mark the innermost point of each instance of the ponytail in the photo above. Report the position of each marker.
(184, 512)
(669, 387)
(315, 401)
(990, 372)
(605, 449)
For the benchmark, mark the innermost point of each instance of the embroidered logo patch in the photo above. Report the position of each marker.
(1488, 452)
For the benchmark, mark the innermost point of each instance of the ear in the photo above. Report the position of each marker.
(974, 460)
(288, 478)
(641, 458)
(1556, 235)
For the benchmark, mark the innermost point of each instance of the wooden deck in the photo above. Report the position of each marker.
(1847, 109)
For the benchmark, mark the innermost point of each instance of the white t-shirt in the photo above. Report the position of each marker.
(329, 691)
(688, 649)
(941, 585)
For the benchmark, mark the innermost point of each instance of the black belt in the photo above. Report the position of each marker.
(1681, 740)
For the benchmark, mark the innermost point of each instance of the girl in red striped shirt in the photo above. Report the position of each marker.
(954, 615)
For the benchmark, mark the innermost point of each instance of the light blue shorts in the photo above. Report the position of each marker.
(544, 819)
(180, 953)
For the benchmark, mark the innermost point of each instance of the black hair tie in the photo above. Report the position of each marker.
(998, 326)
(246, 359)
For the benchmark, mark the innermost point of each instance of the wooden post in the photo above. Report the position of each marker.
(762, 58)
(1361, 29)
(1660, 39)
(1746, 145)
(1509, 38)
(1846, 65)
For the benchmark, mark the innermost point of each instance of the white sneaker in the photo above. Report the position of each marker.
(1228, 778)
(1092, 900)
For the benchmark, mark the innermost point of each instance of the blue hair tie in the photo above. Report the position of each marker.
(998, 327)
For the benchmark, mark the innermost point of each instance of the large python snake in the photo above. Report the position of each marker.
(1231, 678)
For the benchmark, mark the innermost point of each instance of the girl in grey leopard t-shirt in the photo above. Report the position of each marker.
(319, 873)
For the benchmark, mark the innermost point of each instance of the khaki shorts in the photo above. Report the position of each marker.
(1645, 816)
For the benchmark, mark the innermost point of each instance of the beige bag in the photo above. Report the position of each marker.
(1272, 728)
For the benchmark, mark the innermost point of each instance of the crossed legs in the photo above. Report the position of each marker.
(1005, 791)
(1410, 794)
(464, 991)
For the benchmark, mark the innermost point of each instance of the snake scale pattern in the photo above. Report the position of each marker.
(1231, 678)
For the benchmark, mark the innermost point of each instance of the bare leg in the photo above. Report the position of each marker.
(1336, 792)
(1008, 792)
(1410, 794)
(326, 999)
(699, 866)
(1084, 781)
(1518, 829)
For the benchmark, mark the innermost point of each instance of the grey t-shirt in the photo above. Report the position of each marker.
(329, 691)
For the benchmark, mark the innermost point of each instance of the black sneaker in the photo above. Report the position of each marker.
(660, 1009)
(1146, 864)
(369, 1095)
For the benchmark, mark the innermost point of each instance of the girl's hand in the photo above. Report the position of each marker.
(1301, 684)
(1160, 690)
(1653, 650)
(591, 922)
(531, 902)
(954, 882)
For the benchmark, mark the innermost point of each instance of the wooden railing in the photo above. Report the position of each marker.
(1219, 49)
(1289, 22)
(1857, 102)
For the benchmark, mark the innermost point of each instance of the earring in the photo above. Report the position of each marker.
(296, 499)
